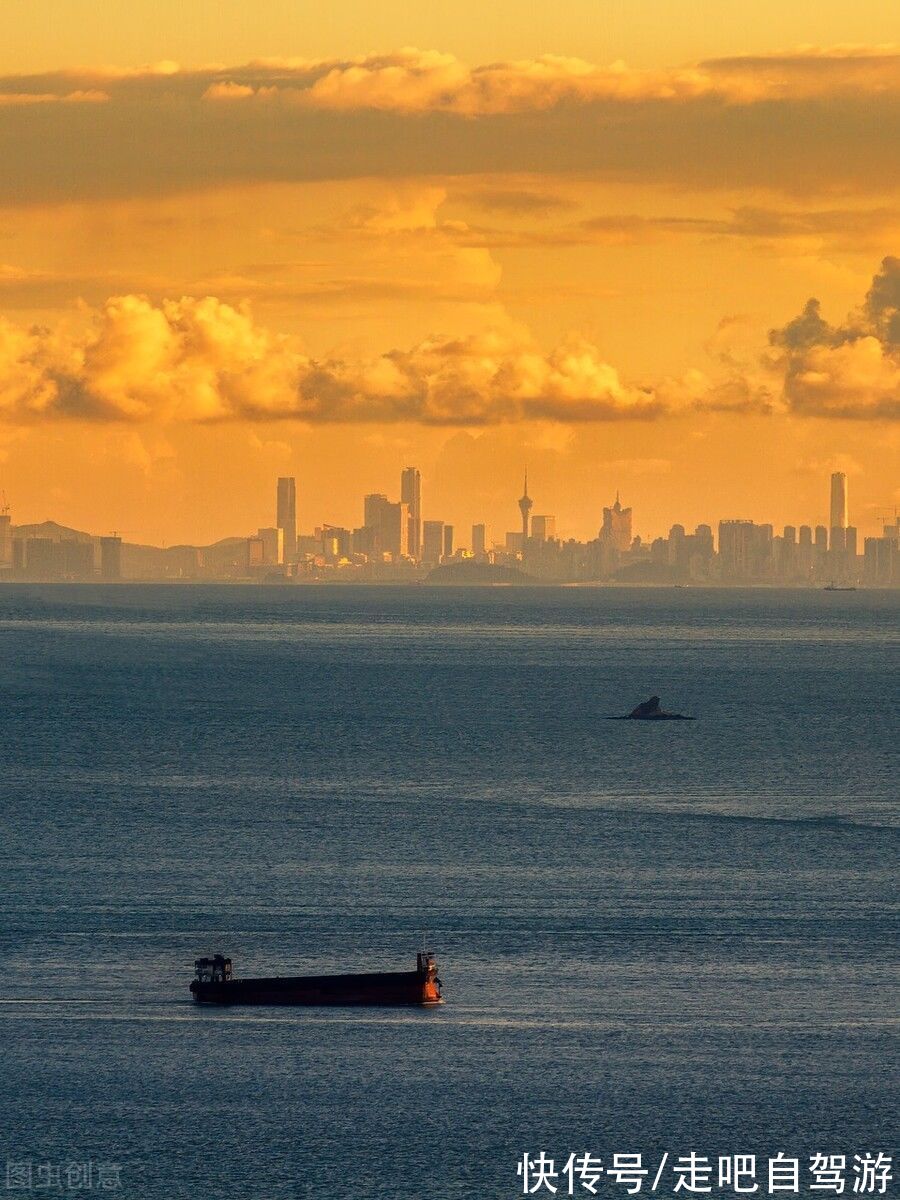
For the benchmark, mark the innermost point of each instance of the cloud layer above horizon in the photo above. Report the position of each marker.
(811, 121)
(202, 360)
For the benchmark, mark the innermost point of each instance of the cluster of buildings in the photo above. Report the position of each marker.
(49, 552)
(394, 543)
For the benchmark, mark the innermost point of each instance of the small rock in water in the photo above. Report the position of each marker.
(651, 711)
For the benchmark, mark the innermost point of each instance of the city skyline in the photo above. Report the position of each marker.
(594, 512)
(393, 543)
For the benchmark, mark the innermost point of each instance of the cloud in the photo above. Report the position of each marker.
(517, 201)
(847, 229)
(850, 370)
(812, 121)
(206, 361)
(412, 80)
(26, 99)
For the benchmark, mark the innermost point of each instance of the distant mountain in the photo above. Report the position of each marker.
(63, 533)
(140, 561)
(52, 530)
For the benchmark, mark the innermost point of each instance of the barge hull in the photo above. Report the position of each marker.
(379, 988)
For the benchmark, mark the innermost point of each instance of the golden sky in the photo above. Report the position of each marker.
(640, 247)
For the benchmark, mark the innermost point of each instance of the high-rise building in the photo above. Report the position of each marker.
(77, 559)
(479, 541)
(389, 523)
(881, 560)
(432, 542)
(336, 541)
(272, 539)
(736, 546)
(111, 557)
(372, 507)
(5, 537)
(395, 529)
(839, 513)
(525, 506)
(286, 516)
(679, 547)
(448, 541)
(703, 541)
(786, 556)
(411, 495)
(804, 552)
(616, 528)
(43, 558)
(543, 529)
(363, 540)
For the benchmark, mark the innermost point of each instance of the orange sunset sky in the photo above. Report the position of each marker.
(650, 246)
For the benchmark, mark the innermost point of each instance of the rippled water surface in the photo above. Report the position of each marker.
(652, 937)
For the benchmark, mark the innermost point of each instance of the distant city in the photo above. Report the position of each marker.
(394, 544)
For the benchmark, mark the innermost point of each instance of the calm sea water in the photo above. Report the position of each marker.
(677, 936)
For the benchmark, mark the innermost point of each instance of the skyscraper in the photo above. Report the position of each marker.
(736, 545)
(5, 537)
(839, 520)
(111, 557)
(432, 541)
(525, 505)
(479, 539)
(372, 508)
(395, 529)
(286, 518)
(616, 528)
(389, 524)
(411, 495)
(273, 545)
(543, 529)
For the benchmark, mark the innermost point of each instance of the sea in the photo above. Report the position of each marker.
(665, 939)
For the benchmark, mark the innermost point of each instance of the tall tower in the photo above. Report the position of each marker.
(411, 494)
(525, 506)
(286, 518)
(838, 510)
(839, 500)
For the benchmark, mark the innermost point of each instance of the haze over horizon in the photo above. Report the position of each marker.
(655, 257)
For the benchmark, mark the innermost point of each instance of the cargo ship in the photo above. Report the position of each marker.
(215, 984)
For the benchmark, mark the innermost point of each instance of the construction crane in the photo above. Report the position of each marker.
(887, 515)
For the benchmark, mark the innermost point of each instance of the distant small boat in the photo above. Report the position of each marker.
(839, 587)
(215, 984)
